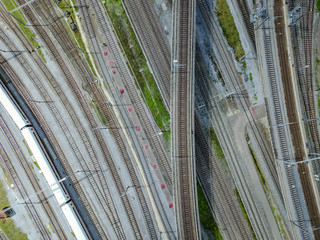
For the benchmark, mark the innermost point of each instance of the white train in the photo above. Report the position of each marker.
(31, 138)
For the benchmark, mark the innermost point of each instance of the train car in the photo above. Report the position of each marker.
(12, 108)
(40, 158)
(33, 142)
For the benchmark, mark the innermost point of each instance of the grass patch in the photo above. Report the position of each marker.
(98, 112)
(21, 21)
(206, 219)
(277, 217)
(167, 136)
(256, 165)
(229, 28)
(216, 144)
(7, 225)
(27, 146)
(3, 200)
(250, 77)
(144, 79)
(10, 4)
(37, 165)
(244, 212)
(8, 177)
(318, 5)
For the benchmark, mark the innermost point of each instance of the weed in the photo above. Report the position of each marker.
(206, 219)
(144, 79)
(229, 28)
(244, 212)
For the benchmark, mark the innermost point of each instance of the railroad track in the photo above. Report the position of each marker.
(237, 227)
(292, 117)
(111, 121)
(34, 182)
(168, 86)
(102, 192)
(104, 196)
(244, 9)
(149, 125)
(114, 129)
(31, 209)
(281, 128)
(234, 81)
(304, 29)
(230, 219)
(36, 111)
(55, 144)
(101, 64)
(59, 119)
(268, 157)
(304, 67)
(142, 15)
(182, 112)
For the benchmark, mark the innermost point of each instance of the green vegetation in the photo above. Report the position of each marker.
(318, 5)
(244, 212)
(98, 112)
(250, 77)
(21, 21)
(216, 144)
(27, 146)
(138, 63)
(3, 200)
(278, 220)
(229, 28)
(206, 219)
(7, 177)
(37, 165)
(256, 165)
(7, 225)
